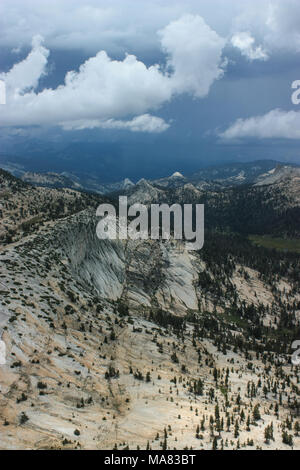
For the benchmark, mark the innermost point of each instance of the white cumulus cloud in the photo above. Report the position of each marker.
(110, 93)
(26, 74)
(195, 54)
(277, 124)
(143, 123)
(246, 44)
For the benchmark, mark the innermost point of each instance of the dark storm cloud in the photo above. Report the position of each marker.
(240, 90)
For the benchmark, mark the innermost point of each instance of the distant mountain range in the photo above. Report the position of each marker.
(261, 197)
(211, 178)
(68, 180)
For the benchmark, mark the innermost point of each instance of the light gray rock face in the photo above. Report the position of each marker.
(286, 180)
(145, 193)
(177, 292)
(50, 180)
(277, 175)
(99, 264)
(4, 317)
(144, 273)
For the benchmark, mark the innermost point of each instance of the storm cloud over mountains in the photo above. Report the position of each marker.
(197, 73)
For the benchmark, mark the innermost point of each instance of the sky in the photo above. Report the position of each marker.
(142, 88)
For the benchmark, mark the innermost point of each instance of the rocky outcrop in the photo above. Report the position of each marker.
(146, 273)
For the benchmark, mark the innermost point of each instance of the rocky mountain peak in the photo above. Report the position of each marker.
(177, 174)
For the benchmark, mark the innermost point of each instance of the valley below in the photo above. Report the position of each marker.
(123, 344)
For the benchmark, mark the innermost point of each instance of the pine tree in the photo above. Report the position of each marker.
(248, 424)
(215, 444)
(203, 424)
(236, 429)
(256, 413)
(228, 423)
(287, 438)
(269, 433)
